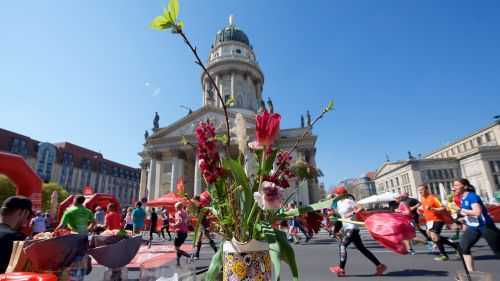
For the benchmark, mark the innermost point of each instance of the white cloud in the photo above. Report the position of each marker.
(156, 92)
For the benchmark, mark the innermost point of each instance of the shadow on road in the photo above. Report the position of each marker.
(410, 272)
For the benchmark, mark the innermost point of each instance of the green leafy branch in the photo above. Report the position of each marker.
(169, 20)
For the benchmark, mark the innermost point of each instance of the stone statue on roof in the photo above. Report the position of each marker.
(156, 122)
(146, 134)
(308, 116)
(302, 120)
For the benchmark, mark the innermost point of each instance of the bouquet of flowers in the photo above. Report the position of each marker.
(245, 200)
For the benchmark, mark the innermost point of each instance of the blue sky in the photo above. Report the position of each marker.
(405, 75)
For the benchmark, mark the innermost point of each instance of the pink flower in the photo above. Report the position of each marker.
(270, 196)
(208, 155)
(267, 128)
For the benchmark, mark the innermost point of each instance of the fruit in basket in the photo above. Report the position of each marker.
(43, 235)
(61, 232)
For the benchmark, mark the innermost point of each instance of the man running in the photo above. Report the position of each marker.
(205, 229)
(154, 224)
(346, 208)
(166, 224)
(414, 204)
(138, 217)
(432, 212)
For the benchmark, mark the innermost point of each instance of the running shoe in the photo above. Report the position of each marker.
(339, 271)
(381, 268)
(441, 258)
(412, 252)
(430, 245)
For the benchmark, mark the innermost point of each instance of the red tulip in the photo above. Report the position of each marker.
(267, 128)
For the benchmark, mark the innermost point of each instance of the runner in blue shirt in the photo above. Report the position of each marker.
(478, 221)
(138, 217)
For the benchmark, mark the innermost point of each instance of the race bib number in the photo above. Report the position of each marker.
(429, 224)
(472, 221)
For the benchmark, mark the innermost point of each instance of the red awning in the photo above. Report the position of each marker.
(167, 200)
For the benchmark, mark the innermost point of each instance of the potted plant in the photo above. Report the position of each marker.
(246, 203)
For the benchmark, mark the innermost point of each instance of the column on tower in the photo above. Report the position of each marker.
(151, 182)
(143, 181)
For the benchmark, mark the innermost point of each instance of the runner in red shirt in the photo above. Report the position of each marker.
(113, 219)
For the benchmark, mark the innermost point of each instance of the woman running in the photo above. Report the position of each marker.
(346, 208)
(478, 223)
(181, 231)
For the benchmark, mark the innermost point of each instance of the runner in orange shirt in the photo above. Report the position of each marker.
(432, 212)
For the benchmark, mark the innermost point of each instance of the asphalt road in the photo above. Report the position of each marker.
(316, 256)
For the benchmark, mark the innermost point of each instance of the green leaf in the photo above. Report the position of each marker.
(161, 23)
(230, 101)
(222, 138)
(274, 253)
(173, 9)
(310, 208)
(215, 267)
(238, 173)
(287, 254)
(329, 106)
(180, 24)
(268, 163)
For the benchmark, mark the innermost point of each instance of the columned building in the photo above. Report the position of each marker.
(475, 157)
(232, 63)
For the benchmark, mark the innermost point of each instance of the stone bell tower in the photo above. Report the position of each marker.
(233, 65)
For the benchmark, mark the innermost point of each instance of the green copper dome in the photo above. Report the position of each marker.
(231, 33)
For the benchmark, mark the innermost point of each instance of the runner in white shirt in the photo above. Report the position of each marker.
(346, 209)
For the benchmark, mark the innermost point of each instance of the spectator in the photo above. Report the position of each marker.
(38, 224)
(15, 211)
(99, 215)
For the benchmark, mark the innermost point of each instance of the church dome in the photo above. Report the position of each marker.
(231, 33)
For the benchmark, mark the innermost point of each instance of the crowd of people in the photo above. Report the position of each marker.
(464, 212)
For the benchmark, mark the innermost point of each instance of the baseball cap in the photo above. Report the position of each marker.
(17, 203)
(340, 190)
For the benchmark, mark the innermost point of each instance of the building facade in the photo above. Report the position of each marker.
(233, 64)
(74, 167)
(475, 157)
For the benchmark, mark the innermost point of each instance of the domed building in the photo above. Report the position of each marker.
(232, 62)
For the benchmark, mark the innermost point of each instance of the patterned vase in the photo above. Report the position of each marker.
(246, 261)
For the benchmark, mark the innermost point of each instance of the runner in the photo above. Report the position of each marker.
(432, 212)
(205, 231)
(346, 208)
(99, 215)
(81, 220)
(113, 219)
(166, 224)
(181, 231)
(138, 217)
(405, 210)
(414, 204)
(478, 223)
(154, 224)
(128, 219)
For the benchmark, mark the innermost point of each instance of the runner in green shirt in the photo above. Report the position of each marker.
(78, 218)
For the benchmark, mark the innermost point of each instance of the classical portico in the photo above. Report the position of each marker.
(233, 64)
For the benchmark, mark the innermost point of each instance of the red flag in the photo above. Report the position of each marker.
(390, 230)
